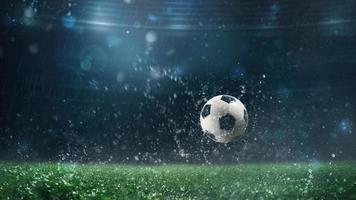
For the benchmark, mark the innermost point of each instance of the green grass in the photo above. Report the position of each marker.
(246, 181)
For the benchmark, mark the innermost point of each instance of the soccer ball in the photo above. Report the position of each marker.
(223, 118)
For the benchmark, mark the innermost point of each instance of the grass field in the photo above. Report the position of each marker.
(246, 181)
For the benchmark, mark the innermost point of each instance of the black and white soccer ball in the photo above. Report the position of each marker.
(223, 118)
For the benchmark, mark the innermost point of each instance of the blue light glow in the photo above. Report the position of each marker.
(68, 21)
(283, 92)
(239, 72)
(152, 18)
(178, 71)
(275, 8)
(345, 126)
(113, 41)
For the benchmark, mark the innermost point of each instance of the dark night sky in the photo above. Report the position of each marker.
(124, 81)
